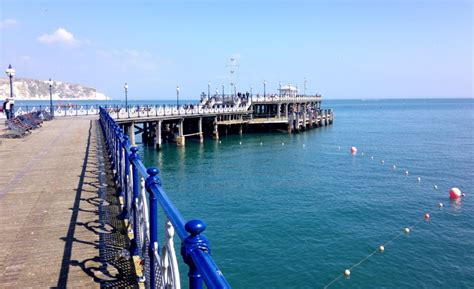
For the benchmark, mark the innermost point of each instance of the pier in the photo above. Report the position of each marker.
(157, 124)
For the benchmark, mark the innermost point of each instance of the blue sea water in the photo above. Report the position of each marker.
(294, 211)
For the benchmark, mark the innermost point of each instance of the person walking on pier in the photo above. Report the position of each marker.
(7, 107)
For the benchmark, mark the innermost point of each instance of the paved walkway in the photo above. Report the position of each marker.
(57, 212)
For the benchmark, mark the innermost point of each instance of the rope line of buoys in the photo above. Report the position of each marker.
(381, 248)
(454, 194)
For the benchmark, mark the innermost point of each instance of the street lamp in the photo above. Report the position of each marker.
(125, 87)
(264, 87)
(177, 96)
(251, 91)
(51, 109)
(279, 88)
(10, 72)
(235, 90)
(222, 92)
(305, 81)
(208, 89)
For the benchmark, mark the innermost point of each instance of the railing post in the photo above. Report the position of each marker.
(113, 153)
(126, 177)
(135, 181)
(117, 158)
(153, 180)
(115, 141)
(194, 241)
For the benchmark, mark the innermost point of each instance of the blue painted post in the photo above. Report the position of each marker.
(126, 208)
(119, 162)
(136, 191)
(115, 150)
(118, 159)
(153, 181)
(109, 135)
(194, 241)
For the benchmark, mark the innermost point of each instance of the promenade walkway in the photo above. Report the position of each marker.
(57, 212)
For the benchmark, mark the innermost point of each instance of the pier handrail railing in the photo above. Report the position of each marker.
(141, 193)
(163, 110)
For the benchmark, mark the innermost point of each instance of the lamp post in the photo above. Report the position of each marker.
(235, 90)
(177, 96)
(125, 87)
(305, 81)
(264, 87)
(222, 92)
(51, 109)
(208, 89)
(279, 88)
(251, 87)
(10, 72)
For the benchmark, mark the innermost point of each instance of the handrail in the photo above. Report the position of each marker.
(119, 111)
(171, 212)
(140, 211)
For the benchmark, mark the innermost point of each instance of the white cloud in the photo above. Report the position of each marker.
(8, 23)
(60, 36)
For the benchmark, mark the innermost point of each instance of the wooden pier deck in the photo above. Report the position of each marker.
(57, 210)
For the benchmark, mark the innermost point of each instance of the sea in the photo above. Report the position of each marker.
(297, 210)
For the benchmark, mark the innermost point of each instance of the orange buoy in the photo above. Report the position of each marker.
(427, 216)
(455, 193)
(353, 150)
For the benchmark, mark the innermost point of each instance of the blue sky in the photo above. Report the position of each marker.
(345, 49)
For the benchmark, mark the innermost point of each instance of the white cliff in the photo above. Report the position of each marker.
(33, 89)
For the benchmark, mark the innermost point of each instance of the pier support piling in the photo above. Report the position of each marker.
(158, 135)
(131, 133)
(201, 137)
(215, 133)
(180, 140)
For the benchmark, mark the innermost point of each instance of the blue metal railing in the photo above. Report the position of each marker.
(139, 189)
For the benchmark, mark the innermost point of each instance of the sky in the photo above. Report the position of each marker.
(344, 49)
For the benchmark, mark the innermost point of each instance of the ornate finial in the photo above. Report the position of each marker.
(125, 141)
(153, 171)
(194, 241)
(153, 179)
(134, 149)
(195, 227)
